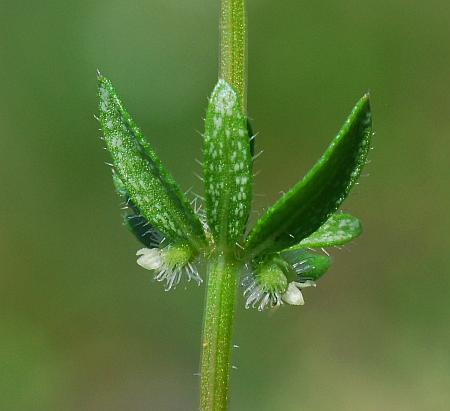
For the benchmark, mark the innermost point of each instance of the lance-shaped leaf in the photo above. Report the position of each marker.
(227, 166)
(149, 185)
(306, 265)
(136, 223)
(303, 209)
(339, 229)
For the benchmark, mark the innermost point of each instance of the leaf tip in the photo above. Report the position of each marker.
(103, 81)
(364, 102)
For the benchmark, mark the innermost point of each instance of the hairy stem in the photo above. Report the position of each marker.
(223, 269)
(233, 50)
(217, 331)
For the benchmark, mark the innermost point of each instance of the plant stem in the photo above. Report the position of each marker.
(233, 50)
(218, 325)
(223, 269)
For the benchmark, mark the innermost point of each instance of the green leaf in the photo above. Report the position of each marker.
(136, 223)
(149, 185)
(339, 229)
(302, 210)
(306, 265)
(227, 166)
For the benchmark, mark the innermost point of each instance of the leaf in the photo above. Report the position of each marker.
(135, 222)
(149, 185)
(227, 166)
(306, 265)
(312, 200)
(339, 229)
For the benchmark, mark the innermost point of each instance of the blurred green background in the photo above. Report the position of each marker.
(82, 327)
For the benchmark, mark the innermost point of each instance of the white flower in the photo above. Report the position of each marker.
(150, 258)
(169, 264)
(293, 295)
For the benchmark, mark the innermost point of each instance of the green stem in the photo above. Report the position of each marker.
(223, 270)
(217, 331)
(233, 50)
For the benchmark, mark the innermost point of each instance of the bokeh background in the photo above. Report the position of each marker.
(82, 327)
